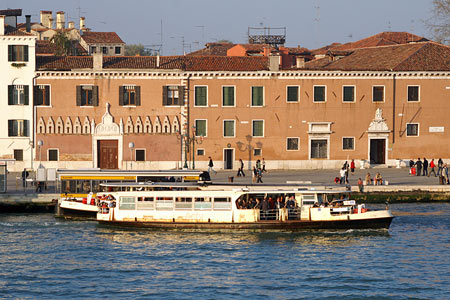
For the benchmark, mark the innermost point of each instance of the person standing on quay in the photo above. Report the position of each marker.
(241, 169)
(352, 166)
(211, 165)
(263, 166)
(433, 168)
(425, 167)
(440, 165)
(419, 166)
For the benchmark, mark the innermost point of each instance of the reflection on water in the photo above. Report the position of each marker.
(44, 257)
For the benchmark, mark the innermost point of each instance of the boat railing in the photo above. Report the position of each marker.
(280, 214)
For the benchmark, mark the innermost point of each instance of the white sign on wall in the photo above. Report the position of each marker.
(435, 129)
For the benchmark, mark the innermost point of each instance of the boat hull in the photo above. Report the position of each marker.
(376, 223)
(72, 213)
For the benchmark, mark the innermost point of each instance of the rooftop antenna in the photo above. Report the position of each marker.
(389, 26)
(203, 32)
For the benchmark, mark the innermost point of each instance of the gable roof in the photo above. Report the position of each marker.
(10, 30)
(423, 56)
(216, 49)
(91, 37)
(383, 39)
(188, 63)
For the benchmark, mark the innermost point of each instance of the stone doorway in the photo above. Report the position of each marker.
(107, 154)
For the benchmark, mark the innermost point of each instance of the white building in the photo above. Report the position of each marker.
(17, 65)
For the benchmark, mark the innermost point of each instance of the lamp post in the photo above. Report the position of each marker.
(194, 140)
(40, 144)
(248, 147)
(131, 146)
(186, 141)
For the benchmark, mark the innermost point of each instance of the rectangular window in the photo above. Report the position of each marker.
(53, 155)
(173, 95)
(413, 93)
(257, 152)
(18, 154)
(258, 128)
(228, 96)
(18, 53)
(319, 149)
(348, 143)
(348, 94)
(293, 144)
(18, 128)
(117, 50)
(18, 94)
(412, 129)
(257, 96)
(93, 49)
(42, 95)
(378, 93)
(127, 203)
(87, 95)
(183, 203)
(200, 152)
(129, 95)
(201, 96)
(292, 93)
(320, 93)
(105, 50)
(228, 128)
(140, 154)
(200, 128)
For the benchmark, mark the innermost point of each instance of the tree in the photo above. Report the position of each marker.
(439, 23)
(136, 49)
(63, 43)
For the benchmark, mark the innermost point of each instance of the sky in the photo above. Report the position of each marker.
(188, 24)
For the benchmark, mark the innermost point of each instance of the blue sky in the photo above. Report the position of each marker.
(309, 23)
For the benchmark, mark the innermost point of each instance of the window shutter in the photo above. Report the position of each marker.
(10, 53)
(95, 95)
(10, 94)
(164, 95)
(121, 89)
(180, 95)
(78, 95)
(36, 95)
(10, 127)
(138, 95)
(47, 95)
(25, 128)
(25, 55)
(26, 91)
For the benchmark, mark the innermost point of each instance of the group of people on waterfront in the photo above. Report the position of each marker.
(257, 170)
(420, 168)
(344, 172)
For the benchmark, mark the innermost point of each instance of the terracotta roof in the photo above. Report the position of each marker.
(423, 56)
(323, 50)
(9, 30)
(298, 50)
(91, 37)
(188, 63)
(49, 48)
(217, 49)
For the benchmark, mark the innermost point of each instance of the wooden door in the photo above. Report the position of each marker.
(228, 159)
(377, 151)
(107, 154)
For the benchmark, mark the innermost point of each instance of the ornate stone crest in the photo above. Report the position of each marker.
(107, 126)
(378, 125)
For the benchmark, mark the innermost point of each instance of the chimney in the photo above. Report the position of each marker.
(300, 62)
(97, 58)
(71, 25)
(46, 18)
(274, 63)
(2, 25)
(28, 23)
(82, 25)
(60, 20)
(157, 61)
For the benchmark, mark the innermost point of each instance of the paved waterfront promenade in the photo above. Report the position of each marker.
(398, 181)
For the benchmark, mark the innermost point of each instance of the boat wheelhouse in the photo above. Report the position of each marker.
(226, 207)
(78, 187)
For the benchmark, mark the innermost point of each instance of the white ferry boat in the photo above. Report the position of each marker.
(183, 206)
(78, 187)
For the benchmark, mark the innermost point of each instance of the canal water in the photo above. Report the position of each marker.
(43, 257)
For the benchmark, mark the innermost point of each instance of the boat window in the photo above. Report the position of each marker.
(145, 203)
(86, 186)
(127, 203)
(183, 203)
(320, 198)
(308, 199)
(202, 203)
(164, 203)
(222, 203)
(69, 186)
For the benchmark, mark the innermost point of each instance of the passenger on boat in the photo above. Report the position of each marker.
(291, 202)
(271, 203)
(264, 207)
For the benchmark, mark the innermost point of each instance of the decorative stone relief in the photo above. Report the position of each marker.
(50, 126)
(59, 126)
(138, 128)
(129, 126)
(157, 125)
(68, 126)
(378, 125)
(77, 126)
(166, 125)
(86, 126)
(175, 125)
(107, 127)
(41, 126)
(148, 125)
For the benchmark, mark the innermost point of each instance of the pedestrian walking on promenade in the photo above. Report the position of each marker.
(254, 175)
(440, 165)
(25, 175)
(342, 175)
(352, 166)
(432, 168)
(211, 165)
(259, 176)
(419, 166)
(241, 169)
(263, 165)
(425, 167)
